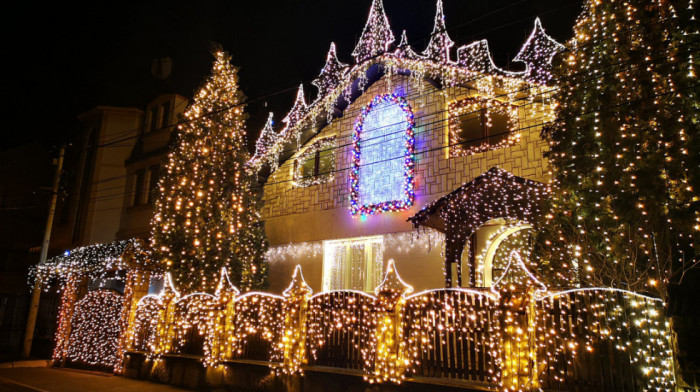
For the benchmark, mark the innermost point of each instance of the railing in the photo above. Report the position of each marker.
(518, 338)
(585, 329)
(450, 334)
(193, 327)
(256, 327)
(341, 329)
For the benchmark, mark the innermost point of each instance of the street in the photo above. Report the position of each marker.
(70, 380)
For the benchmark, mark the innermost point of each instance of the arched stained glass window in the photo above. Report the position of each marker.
(382, 174)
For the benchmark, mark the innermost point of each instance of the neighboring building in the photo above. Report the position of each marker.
(112, 171)
(351, 168)
(144, 164)
(96, 181)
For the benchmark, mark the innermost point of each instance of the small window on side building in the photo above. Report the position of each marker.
(166, 115)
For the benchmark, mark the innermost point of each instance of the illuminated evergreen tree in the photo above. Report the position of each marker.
(206, 214)
(625, 151)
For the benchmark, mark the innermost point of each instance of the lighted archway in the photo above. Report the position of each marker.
(485, 263)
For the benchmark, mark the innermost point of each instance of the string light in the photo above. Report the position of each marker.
(325, 173)
(95, 329)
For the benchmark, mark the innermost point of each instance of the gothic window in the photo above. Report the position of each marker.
(382, 172)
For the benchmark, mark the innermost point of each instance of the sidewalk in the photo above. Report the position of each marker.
(69, 380)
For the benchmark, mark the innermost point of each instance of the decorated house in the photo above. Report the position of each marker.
(387, 142)
(399, 208)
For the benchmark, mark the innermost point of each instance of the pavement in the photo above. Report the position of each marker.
(35, 379)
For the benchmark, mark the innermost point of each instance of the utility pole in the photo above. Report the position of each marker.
(36, 293)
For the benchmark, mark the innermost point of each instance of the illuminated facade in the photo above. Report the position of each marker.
(387, 136)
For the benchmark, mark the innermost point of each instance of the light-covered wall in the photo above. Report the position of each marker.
(297, 215)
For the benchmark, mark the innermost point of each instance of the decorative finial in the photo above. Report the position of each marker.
(169, 290)
(537, 53)
(404, 50)
(225, 287)
(298, 110)
(392, 285)
(331, 74)
(298, 287)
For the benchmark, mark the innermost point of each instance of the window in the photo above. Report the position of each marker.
(382, 172)
(316, 164)
(154, 118)
(165, 115)
(152, 183)
(138, 187)
(353, 264)
(479, 124)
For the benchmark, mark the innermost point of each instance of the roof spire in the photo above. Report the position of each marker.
(537, 54)
(331, 74)
(440, 43)
(298, 110)
(267, 138)
(404, 50)
(376, 36)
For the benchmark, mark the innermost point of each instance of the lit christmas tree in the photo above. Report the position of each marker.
(625, 152)
(206, 214)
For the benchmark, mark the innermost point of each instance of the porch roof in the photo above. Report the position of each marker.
(494, 194)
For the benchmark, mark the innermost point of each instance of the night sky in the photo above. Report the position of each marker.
(66, 59)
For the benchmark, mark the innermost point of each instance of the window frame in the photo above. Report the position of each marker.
(315, 149)
(457, 109)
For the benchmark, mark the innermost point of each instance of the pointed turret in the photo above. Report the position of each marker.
(331, 74)
(267, 138)
(298, 110)
(537, 54)
(376, 36)
(404, 50)
(440, 43)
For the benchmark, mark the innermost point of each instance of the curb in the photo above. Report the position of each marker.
(26, 364)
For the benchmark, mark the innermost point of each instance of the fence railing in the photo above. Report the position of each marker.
(449, 332)
(515, 338)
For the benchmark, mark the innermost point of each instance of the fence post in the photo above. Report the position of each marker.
(65, 314)
(293, 345)
(164, 330)
(518, 345)
(220, 334)
(390, 352)
(133, 291)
